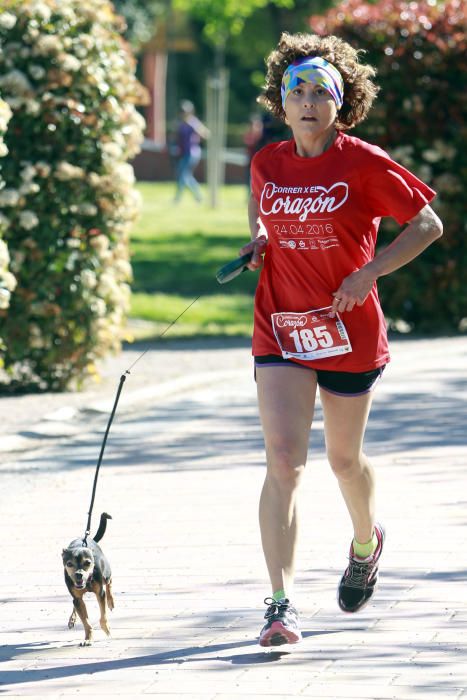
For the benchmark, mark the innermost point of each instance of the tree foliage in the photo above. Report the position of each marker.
(225, 18)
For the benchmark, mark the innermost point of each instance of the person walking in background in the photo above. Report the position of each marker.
(316, 205)
(190, 131)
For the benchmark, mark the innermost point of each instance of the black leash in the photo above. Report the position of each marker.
(114, 409)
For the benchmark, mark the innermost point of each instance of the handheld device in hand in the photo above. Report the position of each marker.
(233, 269)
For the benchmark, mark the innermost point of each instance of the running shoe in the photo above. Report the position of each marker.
(358, 583)
(281, 624)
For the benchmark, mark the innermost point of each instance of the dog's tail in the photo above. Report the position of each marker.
(102, 527)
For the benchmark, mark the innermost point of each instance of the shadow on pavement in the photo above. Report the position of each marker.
(188, 435)
(390, 655)
(175, 656)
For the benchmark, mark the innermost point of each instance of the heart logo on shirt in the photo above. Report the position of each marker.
(339, 192)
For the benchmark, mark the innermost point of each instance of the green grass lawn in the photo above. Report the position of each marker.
(176, 250)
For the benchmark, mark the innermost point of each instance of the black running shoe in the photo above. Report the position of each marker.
(359, 580)
(282, 624)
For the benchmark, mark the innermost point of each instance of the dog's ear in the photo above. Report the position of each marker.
(65, 555)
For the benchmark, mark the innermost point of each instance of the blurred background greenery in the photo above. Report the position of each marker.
(175, 256)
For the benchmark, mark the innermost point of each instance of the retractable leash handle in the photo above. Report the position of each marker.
(233, 269)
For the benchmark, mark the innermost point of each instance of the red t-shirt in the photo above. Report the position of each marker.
(322, 216)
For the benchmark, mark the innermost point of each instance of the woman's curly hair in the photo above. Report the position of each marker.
(359, 89)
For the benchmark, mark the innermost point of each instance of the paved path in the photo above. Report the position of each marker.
(181, 477)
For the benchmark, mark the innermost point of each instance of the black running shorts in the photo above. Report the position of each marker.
(340, 383)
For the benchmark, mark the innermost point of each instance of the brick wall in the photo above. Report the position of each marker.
(152, 165)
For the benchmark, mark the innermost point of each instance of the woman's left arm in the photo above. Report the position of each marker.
(420, 232)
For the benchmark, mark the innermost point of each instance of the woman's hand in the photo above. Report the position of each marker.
(421, 231)
(354, 289)
(257, 247)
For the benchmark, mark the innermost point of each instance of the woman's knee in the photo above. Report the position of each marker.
(346, 466)
(285, 467)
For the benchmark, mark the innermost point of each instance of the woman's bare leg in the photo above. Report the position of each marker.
(345, 420)
(286, 397)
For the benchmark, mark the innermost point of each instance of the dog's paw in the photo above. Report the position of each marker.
(105, 627)
(86, 643)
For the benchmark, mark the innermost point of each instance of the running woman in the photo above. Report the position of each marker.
(315, 208)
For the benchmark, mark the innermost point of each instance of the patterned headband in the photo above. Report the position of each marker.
(316, 70)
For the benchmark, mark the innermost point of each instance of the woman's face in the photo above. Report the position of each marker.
(310, 110)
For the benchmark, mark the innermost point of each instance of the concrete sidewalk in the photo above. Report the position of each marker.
(166, 369)
(181, 477)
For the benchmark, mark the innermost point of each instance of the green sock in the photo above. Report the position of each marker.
(362, 551)
(279, 595)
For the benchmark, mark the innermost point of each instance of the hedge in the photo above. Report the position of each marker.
(7, 279)
(68, 202)
(419, 50)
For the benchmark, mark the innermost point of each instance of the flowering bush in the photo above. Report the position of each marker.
(7, 279)
(68, 201)
(419, 50)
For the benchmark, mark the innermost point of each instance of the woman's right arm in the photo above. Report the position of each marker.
(259, 239)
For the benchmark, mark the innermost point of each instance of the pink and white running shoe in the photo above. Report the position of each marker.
(281, 624)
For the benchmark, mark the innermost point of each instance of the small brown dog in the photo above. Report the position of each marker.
(87, 569)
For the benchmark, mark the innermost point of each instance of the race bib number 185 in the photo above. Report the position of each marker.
(310, 335)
